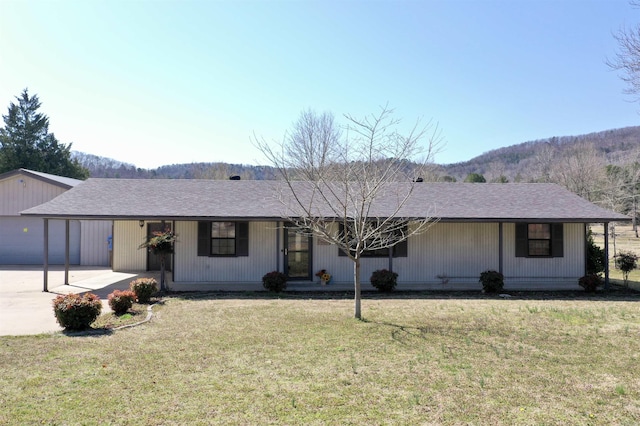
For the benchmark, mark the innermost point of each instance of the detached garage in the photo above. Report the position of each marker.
(22, 238)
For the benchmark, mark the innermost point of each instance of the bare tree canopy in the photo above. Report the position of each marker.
(335, 180)
(627, 59)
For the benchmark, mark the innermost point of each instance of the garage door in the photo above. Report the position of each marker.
(22, 241)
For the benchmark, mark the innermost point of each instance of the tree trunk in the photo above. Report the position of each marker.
(162, 285)
(356, 284)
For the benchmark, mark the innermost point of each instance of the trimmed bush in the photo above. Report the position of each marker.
(76, 312)
(384, 280)
(121, 301)
(274, 281)
(626, 261)
(144, 288)
(492, 281)
(590, 282)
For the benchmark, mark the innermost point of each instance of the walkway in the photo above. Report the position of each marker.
(26, 309)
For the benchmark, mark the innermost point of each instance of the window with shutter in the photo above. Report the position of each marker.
(223, 238)
(539, 240)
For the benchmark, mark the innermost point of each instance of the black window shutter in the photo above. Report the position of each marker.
(242, 238)
(557, 240)
(204, 238)
(522, 240)
(401, 249)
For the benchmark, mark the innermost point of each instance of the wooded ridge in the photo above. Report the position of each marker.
(523, 162)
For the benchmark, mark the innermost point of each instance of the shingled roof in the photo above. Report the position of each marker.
(261, 200)
(61, 181)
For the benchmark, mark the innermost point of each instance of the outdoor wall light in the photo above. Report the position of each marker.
(141, 223)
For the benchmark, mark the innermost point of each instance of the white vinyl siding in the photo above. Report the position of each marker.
(191, 268)
(460, 250)
(21, 237)
(93, 242)
(127, 237)
(565, 269)
(456, 253)
(453, 252)
(21, 192)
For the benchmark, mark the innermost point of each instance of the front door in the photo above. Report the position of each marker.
(297, 254)
(153, 260)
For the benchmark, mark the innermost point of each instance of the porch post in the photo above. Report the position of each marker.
(585, 230)
(278, 225)
(500, 247)
(46, 256)
(66, 252)
(606, 255)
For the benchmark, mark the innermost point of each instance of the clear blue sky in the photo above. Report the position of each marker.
(162, 82)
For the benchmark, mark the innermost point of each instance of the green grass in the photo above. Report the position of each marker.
(625, 241)
(299, 361)
(106, 321)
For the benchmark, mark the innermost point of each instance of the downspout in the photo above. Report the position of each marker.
(66, 252)
(606, 255)
(391, 258)
(46, 256)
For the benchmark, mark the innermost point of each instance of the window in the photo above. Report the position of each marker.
(539, 236)
(398, 250)
(539, 240)
(223, 238)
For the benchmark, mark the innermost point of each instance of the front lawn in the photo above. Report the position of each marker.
(419, 360)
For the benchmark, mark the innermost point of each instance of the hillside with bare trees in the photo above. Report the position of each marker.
(603, 167)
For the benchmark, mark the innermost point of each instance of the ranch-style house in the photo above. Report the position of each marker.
(230, 233)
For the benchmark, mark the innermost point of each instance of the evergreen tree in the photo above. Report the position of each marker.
(475, 178)
(25, 142)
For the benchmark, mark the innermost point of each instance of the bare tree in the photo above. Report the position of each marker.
(627, 59)
(221, 171)
(580, 170)
(496, 172)
(349, 187)
(543, 161)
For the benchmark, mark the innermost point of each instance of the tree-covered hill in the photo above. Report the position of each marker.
(527, 161)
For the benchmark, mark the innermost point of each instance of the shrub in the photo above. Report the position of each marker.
(384, 280)
(121, 301)
(590, 282)
(492, 281)
(144, 288)
(274, 281)
(626, 261)
(76, 312)
(595, 256)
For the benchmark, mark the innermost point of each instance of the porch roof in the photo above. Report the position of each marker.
(190, 199)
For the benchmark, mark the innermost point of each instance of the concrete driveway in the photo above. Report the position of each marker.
(26, 309)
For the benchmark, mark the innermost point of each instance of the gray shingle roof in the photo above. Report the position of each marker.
(62, 181)
(194, 199)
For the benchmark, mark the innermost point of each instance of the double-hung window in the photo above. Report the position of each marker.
(539, 240)
(223, 238)
(539, 236)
